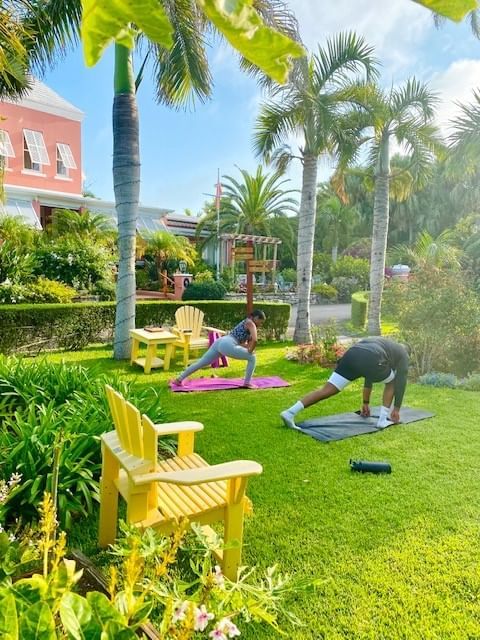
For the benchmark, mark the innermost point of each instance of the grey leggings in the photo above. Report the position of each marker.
(225, 346)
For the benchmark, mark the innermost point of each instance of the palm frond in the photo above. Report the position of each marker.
(413, 99)
(182, 73)
(273, 126)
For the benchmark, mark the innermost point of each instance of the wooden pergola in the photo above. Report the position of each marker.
(229, 245)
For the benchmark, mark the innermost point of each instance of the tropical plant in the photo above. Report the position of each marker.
(15, 38)
(334, 219)
(250, 205)
(17, 265)
(166, 248)
(54, 412)
(81, 224)
(313, 104)
(406, 114)
(429, 252)
(16, 231)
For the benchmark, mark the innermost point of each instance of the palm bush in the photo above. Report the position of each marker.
(51, 416)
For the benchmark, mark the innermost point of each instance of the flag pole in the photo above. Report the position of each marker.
(218, 193)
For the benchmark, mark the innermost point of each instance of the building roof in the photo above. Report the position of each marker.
(42, 98)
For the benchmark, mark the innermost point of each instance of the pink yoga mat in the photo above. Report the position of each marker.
(221, 384)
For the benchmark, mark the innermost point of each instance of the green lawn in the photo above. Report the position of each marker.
(398, 555)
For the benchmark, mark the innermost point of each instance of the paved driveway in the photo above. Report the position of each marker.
(324, 313)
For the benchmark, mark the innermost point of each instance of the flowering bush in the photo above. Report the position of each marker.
(42, 290)
(147, 583)
(325, 349)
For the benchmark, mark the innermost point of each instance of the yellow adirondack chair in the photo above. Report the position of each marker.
(159, 493)
(189, 327)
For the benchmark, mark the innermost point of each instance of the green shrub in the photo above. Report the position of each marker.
(361, 248)
(16, 265)
(349, 267)
(359, 309)
(227, 279)
(471, 382)
(204, 276)
(43, 290)
(345, 287)
(207, 290)
(104, 289)
(73, 326)
(439, 379)
(56, 410)
(325, 291)
(438, 315)
(322, 266)
(289, 275)
(142, 278)
(79, 264)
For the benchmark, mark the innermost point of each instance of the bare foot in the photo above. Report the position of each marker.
(177, 382)
(249, 385)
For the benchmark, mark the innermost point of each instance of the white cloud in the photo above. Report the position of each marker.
(455, 85)
(395, 28)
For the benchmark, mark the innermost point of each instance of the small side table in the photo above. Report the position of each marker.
(152, 339)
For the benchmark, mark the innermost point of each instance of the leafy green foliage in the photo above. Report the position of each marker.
(206, 290)
(438, 315)
(325, 291)
(78, 263)
(439, 379)
(55, 411)
(359, 309)
(350, 267)
(454, 9)
(16, 264)
(73, 326)
(345, 287)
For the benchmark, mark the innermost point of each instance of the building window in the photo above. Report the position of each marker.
(6, 149)
(65, 160)
(34, 150)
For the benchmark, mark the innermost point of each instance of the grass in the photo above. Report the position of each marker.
(397, 555)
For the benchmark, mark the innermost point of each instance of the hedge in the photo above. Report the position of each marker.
(34, 328)
(359, 308)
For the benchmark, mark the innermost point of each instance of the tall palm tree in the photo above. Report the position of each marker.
(335, 218)
(181, 72)
(83, 224)
(312, 106)
(405, 114)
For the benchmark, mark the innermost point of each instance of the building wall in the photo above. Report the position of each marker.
(54, 129)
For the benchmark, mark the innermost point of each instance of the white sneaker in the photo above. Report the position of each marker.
(288, 420)
(384, 418)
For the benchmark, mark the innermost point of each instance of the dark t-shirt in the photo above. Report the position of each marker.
(374, 359)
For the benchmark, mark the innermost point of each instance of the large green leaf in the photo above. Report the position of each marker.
(454, 9)
(105, 21)
(243, 27)
(75, 613)
(8, 618)
(37, 623)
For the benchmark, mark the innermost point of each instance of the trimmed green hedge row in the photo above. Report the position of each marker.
(33, 328)
(359, 308)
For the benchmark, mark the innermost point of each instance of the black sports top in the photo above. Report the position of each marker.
(374, 359)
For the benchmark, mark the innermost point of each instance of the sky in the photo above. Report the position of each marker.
(181, 152)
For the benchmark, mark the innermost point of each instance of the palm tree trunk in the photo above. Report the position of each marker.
(379, 237)
(126, 185)
(306, 234)
(334, 252)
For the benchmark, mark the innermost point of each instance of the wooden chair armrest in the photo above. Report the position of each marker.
(219, 331)
(169, 428)
(214, 473)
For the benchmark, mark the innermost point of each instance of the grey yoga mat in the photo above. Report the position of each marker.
(347, 425)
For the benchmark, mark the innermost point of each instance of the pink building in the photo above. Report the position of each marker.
(40, 143)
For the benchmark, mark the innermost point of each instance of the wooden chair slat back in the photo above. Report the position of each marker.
(116, 403)
(135, 429)
(190, 318)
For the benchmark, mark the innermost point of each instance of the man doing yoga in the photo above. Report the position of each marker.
(376, 360)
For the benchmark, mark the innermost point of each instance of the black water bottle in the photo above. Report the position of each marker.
(364, 466)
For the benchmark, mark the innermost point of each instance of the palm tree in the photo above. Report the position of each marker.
(82, 224)
(166, 247)
(405, 114)
(250, 205)
(180, 71)
(313, 106)
(335, 218)
(429, 252)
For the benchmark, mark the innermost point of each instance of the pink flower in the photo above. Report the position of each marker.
(180, 611)
(202, 618)
(219, 579)
(228, 628)
(217, 634)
